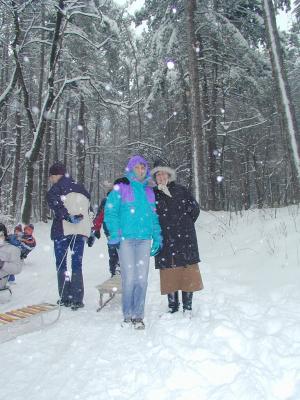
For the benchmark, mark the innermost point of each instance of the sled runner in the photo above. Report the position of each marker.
(23, 320)
(111, 287)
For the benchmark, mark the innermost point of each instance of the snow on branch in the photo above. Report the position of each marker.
(248, 126)
(43, 28)
(5, 169)
(8, 91)
(24, 5)
(96, 46)
(38, 41)
(113, 102)
(68, 82)
(85, 14)
(121, 146)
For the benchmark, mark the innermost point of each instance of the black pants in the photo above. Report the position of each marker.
(173, 301)
(113, 259)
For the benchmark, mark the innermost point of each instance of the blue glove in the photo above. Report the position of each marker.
(74, 219)
(156, 246)
(114, 243)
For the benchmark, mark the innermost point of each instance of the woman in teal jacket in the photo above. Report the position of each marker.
(132, 222)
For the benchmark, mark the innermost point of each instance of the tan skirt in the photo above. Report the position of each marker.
(187, 279)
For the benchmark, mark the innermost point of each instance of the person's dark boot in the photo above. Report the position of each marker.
(187, 298)
(76, 305)
(173, 302)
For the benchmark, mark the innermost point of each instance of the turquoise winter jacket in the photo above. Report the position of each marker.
(130, 211)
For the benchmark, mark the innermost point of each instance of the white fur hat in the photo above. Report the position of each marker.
(159, 165)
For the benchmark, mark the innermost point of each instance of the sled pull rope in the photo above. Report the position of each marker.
(67, 278)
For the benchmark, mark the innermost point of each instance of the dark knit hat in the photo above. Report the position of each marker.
(3, 230)
(161, 165)
(57, 168)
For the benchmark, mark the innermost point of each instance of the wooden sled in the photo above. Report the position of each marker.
(23, 320)
(111, 287)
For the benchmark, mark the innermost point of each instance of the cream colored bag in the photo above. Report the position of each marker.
(77, 203)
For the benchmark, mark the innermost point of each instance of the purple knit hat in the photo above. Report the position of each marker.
(137, 160)
(57, 168)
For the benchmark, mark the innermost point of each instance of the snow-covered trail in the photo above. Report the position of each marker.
(242, 343)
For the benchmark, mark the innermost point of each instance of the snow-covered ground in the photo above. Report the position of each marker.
(243, 341)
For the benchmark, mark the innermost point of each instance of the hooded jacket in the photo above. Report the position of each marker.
(130, 211)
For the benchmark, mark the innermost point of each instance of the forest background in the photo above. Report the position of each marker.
(209, 86)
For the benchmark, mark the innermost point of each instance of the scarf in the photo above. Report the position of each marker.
(165, 189)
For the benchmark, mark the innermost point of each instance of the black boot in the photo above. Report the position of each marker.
(173, 302)
(187, 298)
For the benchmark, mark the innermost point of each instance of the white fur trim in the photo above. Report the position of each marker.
(169, 170)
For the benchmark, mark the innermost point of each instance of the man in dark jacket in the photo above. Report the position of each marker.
(70, 203)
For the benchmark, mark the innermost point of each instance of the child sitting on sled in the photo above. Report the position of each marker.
(24, 240)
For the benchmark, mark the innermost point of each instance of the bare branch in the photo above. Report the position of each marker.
(113, 102)
(96, 46)
(4, 97)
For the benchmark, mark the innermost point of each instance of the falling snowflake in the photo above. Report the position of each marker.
(170, 64)
(26, 59)
(35, 110)
(220, 178)
(47, 114)
(79, 127)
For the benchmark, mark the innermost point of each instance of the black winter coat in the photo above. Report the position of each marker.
(177, 215)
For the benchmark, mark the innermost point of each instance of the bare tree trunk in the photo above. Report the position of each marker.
(17, 157)
(33, 153)
(284, 100)
(80, 144)
(45, 178)
(55, 134)
(196, 118)
(66, 133)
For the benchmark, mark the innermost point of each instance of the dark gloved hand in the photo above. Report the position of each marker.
(91, 240)
(122, 180)
(74, 219)
(97, 234)
(114, 243)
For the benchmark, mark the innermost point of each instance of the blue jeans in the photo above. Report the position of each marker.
(70, 290)
(134, 256)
